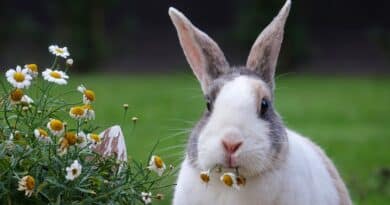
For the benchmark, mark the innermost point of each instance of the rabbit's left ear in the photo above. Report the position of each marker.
(265, 51)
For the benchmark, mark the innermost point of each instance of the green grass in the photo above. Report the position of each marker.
(348, 117)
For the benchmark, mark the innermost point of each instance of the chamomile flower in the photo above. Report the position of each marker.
(27, 184)
(88, 95)
(57, 51)
(16, 96)
(77, 112)
(32, 69)
(157, 164)
(89, 112)
(95, 139)
(42, 135)
(230, 180)
(56, 127)
(73, 171)
(71, 137)
(55, 76)
(146, 197)
(18, 77)
(205, 176)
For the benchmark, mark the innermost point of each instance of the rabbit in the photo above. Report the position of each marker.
(241, 131)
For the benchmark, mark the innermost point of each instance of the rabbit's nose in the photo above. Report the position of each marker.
(231, 146)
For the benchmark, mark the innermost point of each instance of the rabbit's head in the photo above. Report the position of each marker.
(240, 128)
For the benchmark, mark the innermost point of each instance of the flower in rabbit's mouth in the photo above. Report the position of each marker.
(27, 184)
(56, 127)
(230, 180)
(57, 51)
(73, 171)
(157, 164)
(205, 176)
(18, 77)
(42, 135)
(88, 95)
(55, 76)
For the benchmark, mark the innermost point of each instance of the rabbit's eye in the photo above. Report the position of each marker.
(263, 107)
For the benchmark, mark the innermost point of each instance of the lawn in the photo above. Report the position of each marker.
(348, 117)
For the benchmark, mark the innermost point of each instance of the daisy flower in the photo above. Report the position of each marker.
(146, 197)
(56, 127)
(73, 171)
(32, 69)
(71, 137)
(42, 135)
(88, 95)
(82, 140)
(230, 180)
(19, 78)
(16, 96)
(77, 112)
(157, 164)
(95, 139)
(55, 76)
(90, 113)
(205, 176)
(27, 184)
(57, 51)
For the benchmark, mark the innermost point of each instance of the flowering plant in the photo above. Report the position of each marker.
(50, 152)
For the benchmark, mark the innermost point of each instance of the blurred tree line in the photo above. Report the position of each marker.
(100, 29)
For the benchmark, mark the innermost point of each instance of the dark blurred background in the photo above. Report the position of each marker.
(332, 36)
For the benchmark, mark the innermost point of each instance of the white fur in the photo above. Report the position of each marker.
(302, 180)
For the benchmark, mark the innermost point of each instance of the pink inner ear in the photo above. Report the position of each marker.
(192, 51)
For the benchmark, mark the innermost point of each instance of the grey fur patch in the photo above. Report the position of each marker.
(277, 133)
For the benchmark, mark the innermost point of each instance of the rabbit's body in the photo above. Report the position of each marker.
(305, 178)
(242, 134)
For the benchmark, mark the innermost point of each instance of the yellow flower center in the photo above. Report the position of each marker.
(71, 137)
(16, 95)
(42, 132)
(19, 77)
(56, 74)
(95, 137)
(56, 125)
(33, 67)
(90, 95)
(30, 183)
(205, 177)
(78, 111)
(59, 50)
(74, 171)
(158, 162)
(227, 179)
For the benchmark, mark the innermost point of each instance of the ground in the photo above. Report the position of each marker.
(347, 116)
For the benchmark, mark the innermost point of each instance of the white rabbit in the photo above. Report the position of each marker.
(241, 131)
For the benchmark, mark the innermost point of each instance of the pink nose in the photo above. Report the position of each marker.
(231, 146)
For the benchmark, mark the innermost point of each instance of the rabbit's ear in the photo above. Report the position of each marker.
(203, 54)
(265, 51)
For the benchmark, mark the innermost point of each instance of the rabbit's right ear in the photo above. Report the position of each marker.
(203, 54)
